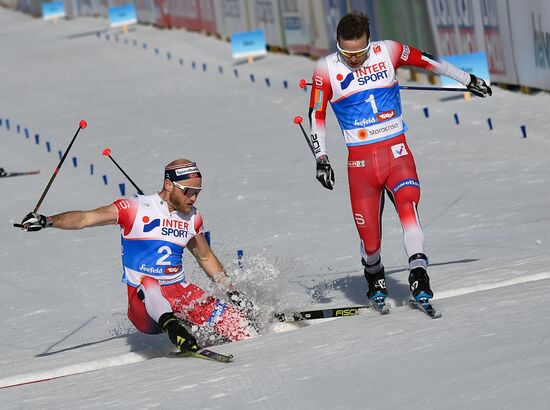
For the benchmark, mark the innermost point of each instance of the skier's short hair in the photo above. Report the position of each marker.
(352, 26)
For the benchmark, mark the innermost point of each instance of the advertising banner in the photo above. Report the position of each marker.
(184, 14)
(248, 44)
(208, 16)
(264, 15)
(497, 41)
(122, 16)
(151, 11)
(530, 30)
(295, 16)
(234, 17)
(53, 10)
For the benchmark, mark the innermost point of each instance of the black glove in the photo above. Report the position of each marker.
(325, 174)
(34, 222)
(479, 87)
(177, 333)
(241, 301)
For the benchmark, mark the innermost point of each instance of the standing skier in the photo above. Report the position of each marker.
(155, 230)
(359, 81)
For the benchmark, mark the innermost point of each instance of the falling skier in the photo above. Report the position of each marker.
(155, 231)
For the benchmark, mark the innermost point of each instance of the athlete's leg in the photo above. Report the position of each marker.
(190, 302)
(151, 312)
(367, 202)
(137, 313)
(403, 186)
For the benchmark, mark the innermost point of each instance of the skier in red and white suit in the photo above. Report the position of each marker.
(155, 230)
(359, 81)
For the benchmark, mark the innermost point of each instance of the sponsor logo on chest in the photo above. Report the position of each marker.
(168, 227)
(364, 75)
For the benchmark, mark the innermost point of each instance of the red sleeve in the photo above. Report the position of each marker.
(127, 211)
(321, 93)
(198, 223)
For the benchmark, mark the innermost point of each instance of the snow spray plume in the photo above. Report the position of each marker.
(107, 153)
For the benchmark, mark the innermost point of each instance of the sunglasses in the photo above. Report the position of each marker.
(188, 191)
(356, 53)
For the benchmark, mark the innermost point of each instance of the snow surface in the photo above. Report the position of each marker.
(485, 210)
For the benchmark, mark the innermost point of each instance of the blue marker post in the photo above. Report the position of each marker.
(252, 78)
(490, 123)
(105, 180)
(75, 162)
(181, 61)
(268, 83)
(285, 84)
(523, 131)
(204, 67)
(26, 133)
(426, 112)
(457, 121)
(236, 72)
(48, 146)
(122, 188)
(18, 129)
(207, 237)
(240, 256)
(220, 69)
(36, 139)
(91, 169)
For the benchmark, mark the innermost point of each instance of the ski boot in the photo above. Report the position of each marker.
(377, 291)
(177, 334)
(419, 281)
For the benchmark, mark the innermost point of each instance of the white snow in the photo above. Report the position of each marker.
(485, 211)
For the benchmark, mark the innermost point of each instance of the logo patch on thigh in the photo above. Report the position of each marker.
(404, 183)
(399, 150)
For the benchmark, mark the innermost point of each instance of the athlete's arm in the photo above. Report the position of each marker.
(321, 93)
(105, 215)
(199, 248)
(403, 55)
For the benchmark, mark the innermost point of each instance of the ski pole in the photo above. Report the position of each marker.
(107, 153)
(302, 84)
(298, 120)
(81, 125)
(414, 87)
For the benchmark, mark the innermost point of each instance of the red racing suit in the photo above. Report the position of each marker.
(367, 105)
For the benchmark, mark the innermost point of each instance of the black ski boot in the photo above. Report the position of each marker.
(178, 334)
(377, 281)
(419, 281)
